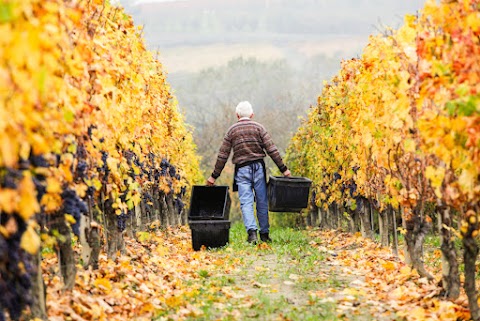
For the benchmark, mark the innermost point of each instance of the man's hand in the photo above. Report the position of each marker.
(287, 173)
(211, 181)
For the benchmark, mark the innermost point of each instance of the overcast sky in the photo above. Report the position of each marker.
(207, 33)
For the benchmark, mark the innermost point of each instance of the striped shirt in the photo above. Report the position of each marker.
(249, 141)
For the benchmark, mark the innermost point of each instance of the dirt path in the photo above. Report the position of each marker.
(309, 283)
(303, 275)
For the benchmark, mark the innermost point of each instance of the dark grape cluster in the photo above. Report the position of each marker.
(183, 191)
(129, 155)
(10, 177)
(82, 165)
(138, 163)
(38, 161)
(104, 169)
(352, 187)
(39, 180)
(179, 205)
(172, 171)
(148, 200)
(122, 221)
(75, 206)
(122, 218)
(336, 176)
(90, 191)
(16, 269)
(361, 203)
(153, 172)
(40, 186)
(164, 165)
(90, 130)
(81, 151)
(81, 169)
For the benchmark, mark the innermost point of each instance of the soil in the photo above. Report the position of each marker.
(341, 289)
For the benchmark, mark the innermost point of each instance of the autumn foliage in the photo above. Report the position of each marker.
(400, 127)
(88, 124)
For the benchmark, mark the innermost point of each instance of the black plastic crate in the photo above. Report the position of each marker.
(209, 203)
(212, 234)
(288, 194)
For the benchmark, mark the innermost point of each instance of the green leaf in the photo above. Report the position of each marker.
(69, 116)
(462, 90)
(72, 148)
(130, 204)
(461, 139)
(463, 107)
(440, 69)
(451, 107)
(353, 206)
(466, 108)
(6, 12)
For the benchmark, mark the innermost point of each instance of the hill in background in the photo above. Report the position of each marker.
(274, 53)
(192, 35)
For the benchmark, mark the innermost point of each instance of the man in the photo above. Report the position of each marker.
(249, 141)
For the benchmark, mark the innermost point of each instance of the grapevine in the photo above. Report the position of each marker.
(85, 113)
(406, 116)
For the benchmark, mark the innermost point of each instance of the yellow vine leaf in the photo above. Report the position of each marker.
(30, 240)
(27, 205)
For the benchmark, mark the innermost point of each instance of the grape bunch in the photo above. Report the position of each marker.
(40, 186)
(81, 169)
(122, 221)
(179, 205)
(164, 165)
(38, 161)
(90, 191)
(139, 164)
(148, 200)
(10, 177)
(90, 130)
(16, 269)
(183, 191)
(75, 206)
(104, 169)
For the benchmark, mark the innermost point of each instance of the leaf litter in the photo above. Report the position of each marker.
(162, 278)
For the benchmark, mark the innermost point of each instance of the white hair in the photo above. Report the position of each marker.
(244, 109)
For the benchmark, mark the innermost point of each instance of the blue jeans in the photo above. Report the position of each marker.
(251, 179)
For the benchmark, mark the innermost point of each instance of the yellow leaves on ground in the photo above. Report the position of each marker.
(153, 277)
(388, 266)
(388, 279)
(162, 276)
(103, 284)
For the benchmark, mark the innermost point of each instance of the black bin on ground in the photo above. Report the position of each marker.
(288, 194)
(211, 233)
(209, 203)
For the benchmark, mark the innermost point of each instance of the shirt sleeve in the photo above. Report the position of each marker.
(223, 155)
(272, 150)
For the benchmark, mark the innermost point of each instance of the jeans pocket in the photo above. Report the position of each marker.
(244, 174)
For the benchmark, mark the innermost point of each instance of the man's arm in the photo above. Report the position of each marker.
(222, 158)
(273, 152)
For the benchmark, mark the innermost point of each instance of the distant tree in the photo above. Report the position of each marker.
(280, 94)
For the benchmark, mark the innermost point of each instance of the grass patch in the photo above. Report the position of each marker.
(273, 281)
